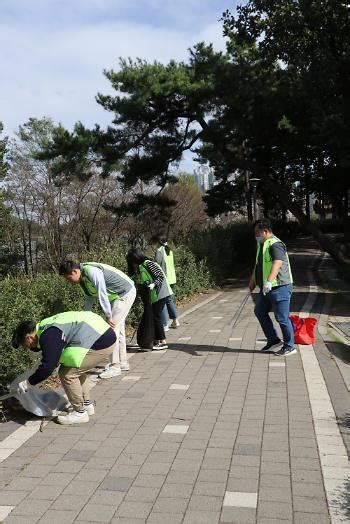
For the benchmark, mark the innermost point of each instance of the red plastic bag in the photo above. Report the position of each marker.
(303, 329)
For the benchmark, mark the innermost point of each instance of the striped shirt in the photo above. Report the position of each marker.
(156, 273)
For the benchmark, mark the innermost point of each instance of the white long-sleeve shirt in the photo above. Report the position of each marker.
(97, 278)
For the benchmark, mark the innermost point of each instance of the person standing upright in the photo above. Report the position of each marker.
(272, 274)
(152, 277)
(116, 294)
(165, 258)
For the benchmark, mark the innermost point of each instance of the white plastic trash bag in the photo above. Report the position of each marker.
(41, 402)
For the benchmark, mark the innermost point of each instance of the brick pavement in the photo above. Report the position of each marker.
(210, 431)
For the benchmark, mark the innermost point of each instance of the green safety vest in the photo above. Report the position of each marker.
(146, 277)
(81, 329)
(267, 261)
(169, 265)
(89, 288)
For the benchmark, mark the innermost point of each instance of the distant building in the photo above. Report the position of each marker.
(204, 178)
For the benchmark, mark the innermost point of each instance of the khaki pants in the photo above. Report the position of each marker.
(120, 310)
(77, 382)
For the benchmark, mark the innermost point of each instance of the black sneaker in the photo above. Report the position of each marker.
(159, 346)
(285, 351)
(272, 344)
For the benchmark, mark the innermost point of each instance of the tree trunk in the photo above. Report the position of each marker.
(285, 198)
(307, 194)
(248, 197)
(30, 248)
(25, 255)
(346, 217)
(307, 204)
(87, 238)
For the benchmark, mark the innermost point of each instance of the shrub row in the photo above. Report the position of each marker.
(211, 257)
(48, 293)
(228, 251)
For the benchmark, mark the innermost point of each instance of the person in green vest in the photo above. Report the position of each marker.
(151, 275)
(77, 341)
(272, 274)
(116, 294)
(165, 258)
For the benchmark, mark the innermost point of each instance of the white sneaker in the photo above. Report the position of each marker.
(90, 409)
(124, 366)
(166, 328)
(75, 417)
(175, 323)
(110, 372)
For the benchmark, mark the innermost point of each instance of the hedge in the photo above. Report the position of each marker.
(48, 293)
(228, 251)
(211, 256)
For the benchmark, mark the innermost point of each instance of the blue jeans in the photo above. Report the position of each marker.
(278, 301)
(170, 307)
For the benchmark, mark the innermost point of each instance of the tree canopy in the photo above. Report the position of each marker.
(274, 106)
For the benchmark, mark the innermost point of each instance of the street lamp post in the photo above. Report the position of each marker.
(254, 182)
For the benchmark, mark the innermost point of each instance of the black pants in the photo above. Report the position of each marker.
(145, 331)
(157, 319)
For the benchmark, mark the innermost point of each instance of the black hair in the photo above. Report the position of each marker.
(134, 258)
(67, 266)
(263, 223)
(163, 242)
(23, 328)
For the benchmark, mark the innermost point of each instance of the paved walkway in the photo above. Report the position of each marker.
(209, 431)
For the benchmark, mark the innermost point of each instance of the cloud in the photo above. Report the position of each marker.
(59, 74)
(191, 14)
(53, 52)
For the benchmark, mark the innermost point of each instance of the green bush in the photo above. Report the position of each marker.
(30, 299)
(191, 275)
(48, 293)
(228, 251)
(287, 231)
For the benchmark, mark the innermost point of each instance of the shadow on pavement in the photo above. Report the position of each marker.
(339, 350)
(299, 299)
(342, 499)
(202, 350)
(344, 421)
(14, 413)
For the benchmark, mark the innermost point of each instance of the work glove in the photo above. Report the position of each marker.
(151, 286)
(23, 387)
(267, 287)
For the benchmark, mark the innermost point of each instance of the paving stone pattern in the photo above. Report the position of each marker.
(243, 448)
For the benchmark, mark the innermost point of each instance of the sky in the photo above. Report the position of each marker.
(53, 52)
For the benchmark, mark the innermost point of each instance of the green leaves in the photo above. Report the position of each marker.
(275, 104)
(47, 294)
